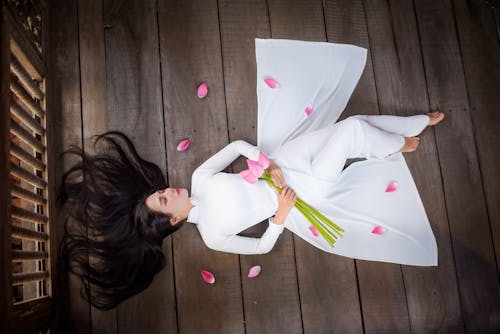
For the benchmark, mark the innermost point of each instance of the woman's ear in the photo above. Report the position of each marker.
(174, 220)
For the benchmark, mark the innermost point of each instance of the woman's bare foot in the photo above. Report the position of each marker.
(435, 117)
(411, 144)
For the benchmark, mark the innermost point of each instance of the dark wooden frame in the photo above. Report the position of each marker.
(35, 315)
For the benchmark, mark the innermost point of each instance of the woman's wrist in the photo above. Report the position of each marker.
(279, 218)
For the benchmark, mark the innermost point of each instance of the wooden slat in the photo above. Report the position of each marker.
(400, 76)
(26, 255)
(27, 137)
(27, 119)
(27, 234)
(481, 58)
(25, 156)
(240, 23)
(73, 313)
(195, 26)
(27, 81)
(28, 215)
(26, 98)
(24, 49)
(473, 249)
(345, 23)
(94, 101)
(27, 176)
(27, 195)
(29, 277)
(125, 67)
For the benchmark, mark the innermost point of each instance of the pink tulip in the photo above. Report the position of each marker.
(309, 110)
(183, 145)
(314, 231)
(272, 83)
(208, 277)
(248, 176)
(255, 168)
(379, 230)
(254, 271)
(202, 90)
(393, 185)
(263, 160)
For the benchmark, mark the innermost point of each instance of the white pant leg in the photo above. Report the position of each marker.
(408, 126)
(352, 138)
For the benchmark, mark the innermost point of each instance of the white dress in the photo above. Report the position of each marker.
(312, 150)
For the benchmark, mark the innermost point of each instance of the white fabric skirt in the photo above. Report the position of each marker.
(311, 149)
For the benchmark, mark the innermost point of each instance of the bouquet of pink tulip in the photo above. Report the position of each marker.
(257, 170)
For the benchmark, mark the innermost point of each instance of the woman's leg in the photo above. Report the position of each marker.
(352, 138)
(407, 126)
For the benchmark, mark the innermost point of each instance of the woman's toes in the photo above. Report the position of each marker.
(435, 117)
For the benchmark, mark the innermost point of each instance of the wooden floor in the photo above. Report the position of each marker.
(134, 66)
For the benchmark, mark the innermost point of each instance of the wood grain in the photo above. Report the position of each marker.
(463, 189)
(276, 291)
(134, 106)
(66, 126)
(480, 52)
(400, 78)
(191, 54)
(94, 115)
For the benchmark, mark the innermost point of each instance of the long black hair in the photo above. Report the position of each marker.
(112, 241)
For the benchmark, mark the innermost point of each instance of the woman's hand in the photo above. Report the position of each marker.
(286, 201)
(276, 174)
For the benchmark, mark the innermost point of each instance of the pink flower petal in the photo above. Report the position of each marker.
(263, 160)
(254, 271)
(202, 90)
(255, 168)
(393, 185)
(248, 176)
(271, 82)
(183, 145)
(309, 110)
(379, 230)
(208, 277)
(314, 231)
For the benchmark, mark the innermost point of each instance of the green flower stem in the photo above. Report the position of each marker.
(325, 226)
(313, 219)
(324, 233)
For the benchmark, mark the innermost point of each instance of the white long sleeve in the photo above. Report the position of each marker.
(225, 157)
(245, 245)
(227, 205)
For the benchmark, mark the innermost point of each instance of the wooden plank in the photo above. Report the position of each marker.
(5, 231)
(94, 113)
(345, 23)
(190, 54)
(464, 194)
(481, 59)
(400, 76)
(338, 307)
(240, 23)
(135, 106)
(63, 129)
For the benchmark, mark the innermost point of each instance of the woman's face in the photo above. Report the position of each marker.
(169, 201)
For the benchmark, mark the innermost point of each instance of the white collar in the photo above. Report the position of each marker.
(193, 213)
